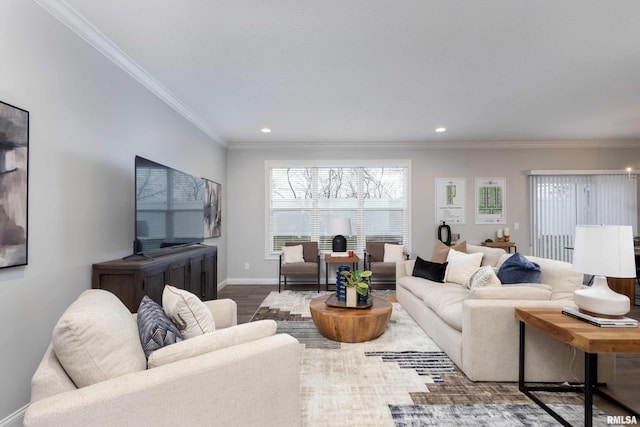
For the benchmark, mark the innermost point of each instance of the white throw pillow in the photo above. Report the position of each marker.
(97, 339)
(461, 266)
(393, 253)
(190, 315)
(484, 277)
(292, 254)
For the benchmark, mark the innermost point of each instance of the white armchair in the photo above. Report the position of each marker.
(244, 375)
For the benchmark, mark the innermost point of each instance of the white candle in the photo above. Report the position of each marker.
(506, 231)
(499, 233)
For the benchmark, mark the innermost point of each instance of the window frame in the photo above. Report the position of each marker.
(339, 163)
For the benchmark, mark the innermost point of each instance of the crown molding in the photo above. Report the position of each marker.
(62, 11)
(420, 145)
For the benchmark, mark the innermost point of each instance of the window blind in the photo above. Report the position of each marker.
(560, 201)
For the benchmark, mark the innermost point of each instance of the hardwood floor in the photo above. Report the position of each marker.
(625, 388)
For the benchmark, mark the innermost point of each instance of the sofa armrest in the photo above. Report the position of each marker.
(225, 312)
(493, 321)
(256, 383)
(404, 268)
(213, 341)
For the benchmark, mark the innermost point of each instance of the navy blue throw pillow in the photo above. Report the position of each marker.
(155, 327)
(518, 269)
(429, 270)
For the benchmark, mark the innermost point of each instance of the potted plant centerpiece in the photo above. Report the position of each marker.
(356, 285)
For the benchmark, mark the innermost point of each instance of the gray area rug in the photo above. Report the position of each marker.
(401, 378)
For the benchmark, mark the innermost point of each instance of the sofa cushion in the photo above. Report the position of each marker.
(97, 339)
(190, 315)
(484, 277)
(155, 327)
(461, 266)
(491, 255)
(441, 251)
(560, 276)
(393, 252)
(217, 340)
(521, 291)
(429, 270)
(292, 254)
(446, 302)
(518, 269)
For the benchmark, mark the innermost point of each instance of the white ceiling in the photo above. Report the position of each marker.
(381, 71)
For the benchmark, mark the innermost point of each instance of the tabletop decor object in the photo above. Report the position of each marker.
(603, 251)
(356, 286)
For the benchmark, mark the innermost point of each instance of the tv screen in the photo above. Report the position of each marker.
(169, 207)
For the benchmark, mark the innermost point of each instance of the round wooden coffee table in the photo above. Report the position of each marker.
(350, 324)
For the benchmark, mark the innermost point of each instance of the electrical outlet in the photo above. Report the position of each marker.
(516, 226)
(246, 265)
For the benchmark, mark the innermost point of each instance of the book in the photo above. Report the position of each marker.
(339, 254)
(602, 322)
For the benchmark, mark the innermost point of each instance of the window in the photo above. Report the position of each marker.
(302, 199)
(560, 201)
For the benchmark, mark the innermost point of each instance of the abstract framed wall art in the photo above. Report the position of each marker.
(212, 209)
(14, 174)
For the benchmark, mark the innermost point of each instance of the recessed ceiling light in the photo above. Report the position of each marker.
(265, 130)
(440, 130)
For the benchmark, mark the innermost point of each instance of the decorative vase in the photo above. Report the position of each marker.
(352, 296)
(362, 299)
(341, 289)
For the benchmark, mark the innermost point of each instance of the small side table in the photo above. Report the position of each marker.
(583, 336)
(502, 245)
(328, 259)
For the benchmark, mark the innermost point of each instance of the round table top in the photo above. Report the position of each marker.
(350, 324)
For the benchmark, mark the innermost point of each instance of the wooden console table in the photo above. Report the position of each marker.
(502, 245)
(583, 336)
(192, 268)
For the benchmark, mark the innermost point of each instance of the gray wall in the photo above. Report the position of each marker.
(246, 192)
(88, 120)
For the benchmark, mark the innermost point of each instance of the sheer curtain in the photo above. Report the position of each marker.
(560, 200)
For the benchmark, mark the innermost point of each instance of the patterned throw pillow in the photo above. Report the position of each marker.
(484, 277)
(190, 315)
(156, 329)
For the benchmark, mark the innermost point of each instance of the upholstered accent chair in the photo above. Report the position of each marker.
(298, 264)
(381, 264)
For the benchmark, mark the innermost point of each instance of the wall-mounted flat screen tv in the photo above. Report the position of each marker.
(169, 207)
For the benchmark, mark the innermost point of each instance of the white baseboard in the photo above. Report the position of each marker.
(241, 281)
(15, 419)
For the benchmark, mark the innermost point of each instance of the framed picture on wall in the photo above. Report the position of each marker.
(450, 200)
(491, 206)
(14, 173)
(212, 209)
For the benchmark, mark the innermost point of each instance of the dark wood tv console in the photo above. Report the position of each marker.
(194, 268)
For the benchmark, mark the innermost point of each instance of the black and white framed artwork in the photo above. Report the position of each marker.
(212, 209)
(14, 162)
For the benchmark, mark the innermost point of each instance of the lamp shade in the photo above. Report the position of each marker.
(339, 226)
(604, 250)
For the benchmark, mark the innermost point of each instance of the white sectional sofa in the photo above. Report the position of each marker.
(478, 330)
(239, 375)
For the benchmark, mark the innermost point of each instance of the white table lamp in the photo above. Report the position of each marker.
(603, 251)
(339, 227)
